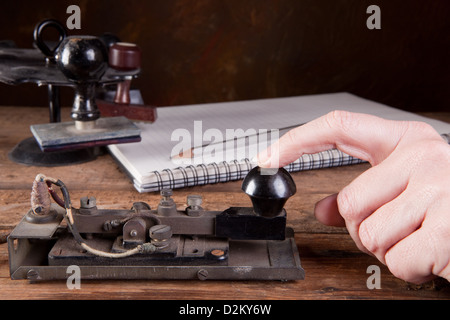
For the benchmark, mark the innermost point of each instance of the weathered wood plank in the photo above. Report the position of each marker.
(335, 268)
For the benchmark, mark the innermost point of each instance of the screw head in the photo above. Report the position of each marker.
(202, 274)
(133, 233)
(88, 203)
(160, 232)
(166, 200)
(166, 192)
(107, 226)
(194, 200)
(32, 274)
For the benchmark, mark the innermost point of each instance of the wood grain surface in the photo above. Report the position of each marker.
(335, 268)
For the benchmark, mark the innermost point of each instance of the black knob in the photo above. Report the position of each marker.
(268, 192)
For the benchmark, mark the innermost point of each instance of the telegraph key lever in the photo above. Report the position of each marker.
(269, 189)
(161, 243)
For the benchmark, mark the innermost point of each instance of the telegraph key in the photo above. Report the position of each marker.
(251, 243)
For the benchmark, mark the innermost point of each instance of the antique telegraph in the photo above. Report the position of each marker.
(157, 243)
(90, 65)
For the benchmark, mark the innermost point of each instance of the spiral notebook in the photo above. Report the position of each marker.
(214, 143)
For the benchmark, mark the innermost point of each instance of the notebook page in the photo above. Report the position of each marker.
(159, 139)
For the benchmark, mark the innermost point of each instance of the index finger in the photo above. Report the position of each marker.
(363, 136)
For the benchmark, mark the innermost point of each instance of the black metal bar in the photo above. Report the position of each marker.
(54, 103)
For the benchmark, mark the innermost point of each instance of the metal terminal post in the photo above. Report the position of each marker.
(88, 202)
(167, 206)
(194, 203)
(160, 235)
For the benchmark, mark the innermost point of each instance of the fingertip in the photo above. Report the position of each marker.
(261, 161)
(269, 158)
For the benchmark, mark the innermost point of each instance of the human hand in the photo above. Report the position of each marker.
(399, 209)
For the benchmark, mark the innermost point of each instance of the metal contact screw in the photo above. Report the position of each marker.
(166, 193)
(166, 197)
(194, 201)
(88, 203)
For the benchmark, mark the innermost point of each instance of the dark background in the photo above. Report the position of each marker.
(200, 51)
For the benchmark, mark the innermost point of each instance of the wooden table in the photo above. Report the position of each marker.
(335, 268)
